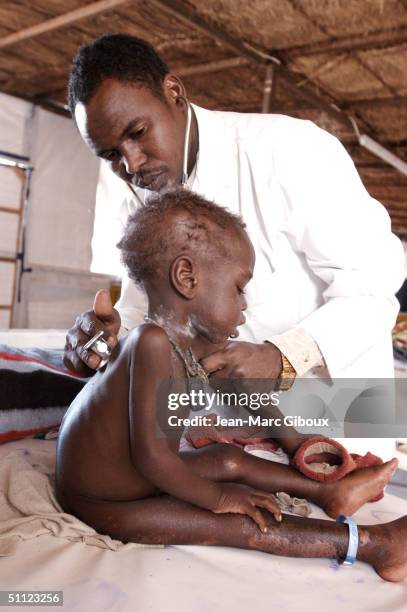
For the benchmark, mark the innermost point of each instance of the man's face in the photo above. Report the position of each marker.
(138, 133)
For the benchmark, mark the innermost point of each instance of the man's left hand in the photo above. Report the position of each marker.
(244, 360)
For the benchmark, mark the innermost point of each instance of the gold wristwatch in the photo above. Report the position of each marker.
(287, 376)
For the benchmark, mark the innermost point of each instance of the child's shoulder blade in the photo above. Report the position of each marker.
(149, 342)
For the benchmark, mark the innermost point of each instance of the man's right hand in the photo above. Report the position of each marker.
(104, 318)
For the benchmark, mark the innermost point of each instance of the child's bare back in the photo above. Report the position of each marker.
(94, 445)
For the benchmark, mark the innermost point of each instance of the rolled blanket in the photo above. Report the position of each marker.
(36, 390)
(327, 460)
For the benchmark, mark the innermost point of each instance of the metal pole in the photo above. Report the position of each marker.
(269, 88)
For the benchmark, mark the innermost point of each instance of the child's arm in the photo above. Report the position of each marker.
(151, 454)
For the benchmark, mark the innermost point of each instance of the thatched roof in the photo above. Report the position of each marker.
(333, 59)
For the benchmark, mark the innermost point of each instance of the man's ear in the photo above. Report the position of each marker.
(183, 276)
(174, 89)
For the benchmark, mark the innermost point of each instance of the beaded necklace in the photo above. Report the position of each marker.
(192, 366)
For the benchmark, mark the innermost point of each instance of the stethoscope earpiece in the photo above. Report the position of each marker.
(184, 179)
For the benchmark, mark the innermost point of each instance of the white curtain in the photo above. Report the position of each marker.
(14, 114)
(110, 196)
(63, 192)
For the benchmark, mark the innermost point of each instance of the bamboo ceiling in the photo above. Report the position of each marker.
(327, 60)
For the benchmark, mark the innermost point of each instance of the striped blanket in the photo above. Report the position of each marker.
(35, 391)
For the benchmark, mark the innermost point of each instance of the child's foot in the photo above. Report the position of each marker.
(389, 557)
(347, 495)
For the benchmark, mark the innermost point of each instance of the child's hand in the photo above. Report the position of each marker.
(239, 499)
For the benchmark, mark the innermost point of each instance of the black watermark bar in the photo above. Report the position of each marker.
(339, 408)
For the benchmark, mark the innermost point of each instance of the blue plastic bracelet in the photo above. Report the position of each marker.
(353, 539)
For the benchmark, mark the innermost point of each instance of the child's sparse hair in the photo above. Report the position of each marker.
(176, 222)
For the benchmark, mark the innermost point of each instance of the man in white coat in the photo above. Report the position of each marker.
(327, 265)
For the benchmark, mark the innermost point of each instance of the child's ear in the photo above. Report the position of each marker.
(183, 276)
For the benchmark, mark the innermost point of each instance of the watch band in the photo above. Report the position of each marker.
(287, 375)
(286, 379)
(353, 539)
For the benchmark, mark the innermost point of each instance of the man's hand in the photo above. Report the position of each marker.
(239, 499)
(244, 360)
(102, 317)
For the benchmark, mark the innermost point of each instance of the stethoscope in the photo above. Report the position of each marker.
(97, 343)
(184, 177)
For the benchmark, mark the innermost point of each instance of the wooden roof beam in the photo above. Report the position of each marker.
(60, 84)
(53, 105)
(375, 102)
(395, 200)
(187, 15)
(397, 210)
(208, 67)
(385, 38)
(397, 219)
(96, 8)
(382, 180)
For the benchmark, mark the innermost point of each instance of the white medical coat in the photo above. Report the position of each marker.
(327, 264)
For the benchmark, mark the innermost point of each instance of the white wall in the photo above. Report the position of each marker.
(60, 215)
(54, 296)
(63, 191)
(110, 209)
(14, 115)
(404, 243)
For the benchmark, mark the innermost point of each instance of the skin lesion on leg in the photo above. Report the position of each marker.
(166, 520)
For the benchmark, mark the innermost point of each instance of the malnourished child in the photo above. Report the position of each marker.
(116, 473)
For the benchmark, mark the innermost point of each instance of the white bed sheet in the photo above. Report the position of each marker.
(199, 578)
(193, 578)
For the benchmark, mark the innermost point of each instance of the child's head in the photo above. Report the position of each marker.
(193, 257)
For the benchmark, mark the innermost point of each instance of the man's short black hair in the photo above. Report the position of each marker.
(115, 56)
(178, 221)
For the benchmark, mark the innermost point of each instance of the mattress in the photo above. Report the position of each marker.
(192, 578)
(198, 578)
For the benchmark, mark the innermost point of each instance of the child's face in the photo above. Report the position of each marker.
(220, 300)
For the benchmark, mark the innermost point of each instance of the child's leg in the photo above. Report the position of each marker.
(228, 463)
(165, 520)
